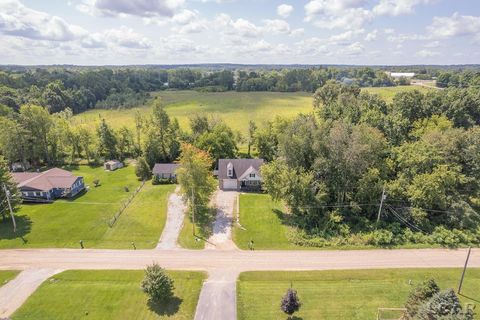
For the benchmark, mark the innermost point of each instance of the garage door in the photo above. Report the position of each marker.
(230, 184)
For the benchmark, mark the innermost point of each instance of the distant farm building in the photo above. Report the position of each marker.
(112, 165)
(48, 185)
(401, 74)
(165, 170)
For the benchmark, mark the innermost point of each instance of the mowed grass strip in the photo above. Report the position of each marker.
(142, 222)
(64, 223)
(341, 294)
(387, 93)
(187, 240)
(112, 294)
(259, 217)
(7, 275)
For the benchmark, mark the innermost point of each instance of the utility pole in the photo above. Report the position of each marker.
(193, 212)
(7, 194)
(464, 270)
(384, 196)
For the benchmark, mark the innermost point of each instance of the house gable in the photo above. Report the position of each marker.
(250, 174)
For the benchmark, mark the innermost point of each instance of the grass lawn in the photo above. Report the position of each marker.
(341, 294)
(111, 294)
(263, 226)
(235, 108)
(387, 93)
(7, 275)
(65, 222)
(186, 239)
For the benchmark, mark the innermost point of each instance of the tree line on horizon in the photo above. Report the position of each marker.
(81, 89)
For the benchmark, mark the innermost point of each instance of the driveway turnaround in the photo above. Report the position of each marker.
(222, 227)
(16, 291)
(175, 215)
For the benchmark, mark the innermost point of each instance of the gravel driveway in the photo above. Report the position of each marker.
(175, 215)
(222, 227)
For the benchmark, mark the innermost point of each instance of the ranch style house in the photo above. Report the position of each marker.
(48, 185)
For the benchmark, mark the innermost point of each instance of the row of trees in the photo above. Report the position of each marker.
(464, 79)
(330, 167)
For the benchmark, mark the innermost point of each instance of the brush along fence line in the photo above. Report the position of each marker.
(125, 205)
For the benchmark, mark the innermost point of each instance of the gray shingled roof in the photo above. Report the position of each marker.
(44, 181)
(167, 168)
(239, 166)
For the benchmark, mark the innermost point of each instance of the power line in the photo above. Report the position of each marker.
(7, 194)
(405, 221)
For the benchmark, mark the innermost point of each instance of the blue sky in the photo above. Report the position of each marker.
(96, 32)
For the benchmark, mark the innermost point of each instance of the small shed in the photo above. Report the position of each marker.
(112, 165)
(20, 166)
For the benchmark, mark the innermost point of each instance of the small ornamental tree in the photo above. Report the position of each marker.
(444, 305)
(157, 284)
(290, 302)
(142, 170)
(420, 295)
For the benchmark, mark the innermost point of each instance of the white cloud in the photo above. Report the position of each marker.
(426, 53)
(284, 10)
(142, 8)
(350, 19)
(240, 26)
(189, 22)
(18, 20)
(371, 35)
(345, 14)
(337, 7)
(433, 44)
(354, 49)
(454, 26)
(400, 38)
(389, 31)
(311, 47)
(174, 44)
(276, 26)
(184, 17)
(122, 37)
(345, 37)
(297, 32)
(397, 7)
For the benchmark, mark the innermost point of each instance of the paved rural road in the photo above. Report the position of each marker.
(221, 238)
(223, 267)
(235, 260)
(175, 214)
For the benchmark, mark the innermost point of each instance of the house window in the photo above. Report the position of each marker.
(252, 175)
(230, 170)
